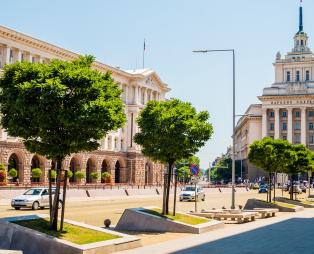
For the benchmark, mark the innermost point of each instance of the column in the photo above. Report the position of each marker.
(277, 124)
(18, 55)
(290, 125)
(145, 96)
(136, 95)
(264, 122)
(7, 55)
(303, 125)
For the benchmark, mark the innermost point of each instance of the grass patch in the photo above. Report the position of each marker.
(71, 233)
(184, 218)
(284, 204)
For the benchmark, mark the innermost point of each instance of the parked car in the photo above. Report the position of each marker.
(34, 198)
(188, 194)
(296, 189)
(255, 186)
(263, 189)
(303, 188)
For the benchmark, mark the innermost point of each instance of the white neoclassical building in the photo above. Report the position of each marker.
(287, 106)
(118, 154)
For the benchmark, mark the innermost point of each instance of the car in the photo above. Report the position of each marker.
(34, 198)
(188, 194)
(255, 186)
(263, 189)
(303, 188)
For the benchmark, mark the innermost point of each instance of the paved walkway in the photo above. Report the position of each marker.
(289, 234)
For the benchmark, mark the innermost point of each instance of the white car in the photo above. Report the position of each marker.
(34, 198)
(188, 194)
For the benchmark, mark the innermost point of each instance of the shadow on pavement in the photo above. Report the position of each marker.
(292, 236)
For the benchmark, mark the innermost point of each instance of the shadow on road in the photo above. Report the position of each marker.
(287, 237)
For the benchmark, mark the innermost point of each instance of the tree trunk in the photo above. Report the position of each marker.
(291, 187)
(168, 187)
(54, 224)
(275, 180)
(269, 187)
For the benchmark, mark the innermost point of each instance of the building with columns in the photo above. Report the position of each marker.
(117, 154)
(287, 106)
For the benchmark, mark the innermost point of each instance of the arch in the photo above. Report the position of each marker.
(74, 166)
(117, 172)
(90, 168)
(20, 159)
(13, 162)
(149, 173)
(37, 163)
(104, 168)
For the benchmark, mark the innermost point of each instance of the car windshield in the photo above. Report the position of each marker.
(33, 192)
(189, 189)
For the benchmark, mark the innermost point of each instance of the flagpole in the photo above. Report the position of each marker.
(144, 55)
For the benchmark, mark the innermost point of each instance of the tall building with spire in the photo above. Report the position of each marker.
(287, 106)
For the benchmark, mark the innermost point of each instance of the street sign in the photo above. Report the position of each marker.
(195, 170)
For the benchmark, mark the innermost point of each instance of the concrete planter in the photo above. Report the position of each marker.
(256, 203)
(136, 219)
(15, 237)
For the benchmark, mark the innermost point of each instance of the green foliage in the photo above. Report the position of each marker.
(53, 174)
(94, 175)
(187, 162)
(70, 173)
(2, 166)
(79, 175)
(13, 172)
(3, 176)
(36, 172)
(172, 130)
(105, 176)
(223, 170)
(59, 108)
(184, 172)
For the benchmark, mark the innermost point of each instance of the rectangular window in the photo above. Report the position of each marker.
(307, 76)
(288, 76)
(297, 139)
(311, 113)
(297, 126)
(272, 126)
(284, 126)
(284, 113)
(272, 114)
(311, 139)
(311, 126)
(284, 137)
(297, 76)
(11, 56)
(297, 114)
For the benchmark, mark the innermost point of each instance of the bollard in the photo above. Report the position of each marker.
(87, 193)
(126, 192)
(157, 191)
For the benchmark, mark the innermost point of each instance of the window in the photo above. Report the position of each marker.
(284, 137)
(307, 76)
(311, 113)
(284, 113)
(115, 143)
(33, 59)
(297, 76)
(284, 126)
(297, 126)
(297, 139)
(302, 42)
(311, 139)
(272, 126)
(22, 57)
(311, 126)
(297, 114)
(121, 144)
(11, 56)
(288, 76)
(271, 114)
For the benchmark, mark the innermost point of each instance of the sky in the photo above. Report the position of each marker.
(114, 30)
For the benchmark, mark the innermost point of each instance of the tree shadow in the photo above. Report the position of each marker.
(291, 236)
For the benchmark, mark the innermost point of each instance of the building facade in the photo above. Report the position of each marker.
(287, 106)
(117, 154)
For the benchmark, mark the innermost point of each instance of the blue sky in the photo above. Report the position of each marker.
(114, 30)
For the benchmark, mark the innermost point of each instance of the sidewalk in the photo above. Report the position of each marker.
(287, 234)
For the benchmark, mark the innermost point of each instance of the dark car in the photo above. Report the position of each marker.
(263, 189)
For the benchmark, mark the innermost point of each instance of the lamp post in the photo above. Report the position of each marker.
(233, 117)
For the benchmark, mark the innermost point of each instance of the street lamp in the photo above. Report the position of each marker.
(233, 117)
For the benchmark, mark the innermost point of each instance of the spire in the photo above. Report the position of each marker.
(301, 17)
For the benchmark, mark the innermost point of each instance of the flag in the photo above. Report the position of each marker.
(144, 45)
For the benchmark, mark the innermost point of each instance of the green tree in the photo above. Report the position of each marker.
(270, 155)
(59, 108)
(13, 172)
(170, 131)
(183, 167)
(36, 172)
(79, 175)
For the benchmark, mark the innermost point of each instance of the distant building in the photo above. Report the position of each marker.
(118, 154)
(287, 106)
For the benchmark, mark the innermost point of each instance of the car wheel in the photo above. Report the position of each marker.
(17, 208)
(35, 205)
(60, 204)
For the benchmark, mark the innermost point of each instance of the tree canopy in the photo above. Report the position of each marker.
(172, 130)
(61, 107)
